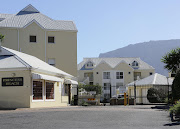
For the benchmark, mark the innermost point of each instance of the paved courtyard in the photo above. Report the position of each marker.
(95, 117)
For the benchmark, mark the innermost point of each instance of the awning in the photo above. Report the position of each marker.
(46, 77)
(68, 81)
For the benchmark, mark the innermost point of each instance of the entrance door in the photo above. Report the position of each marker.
(69, 93)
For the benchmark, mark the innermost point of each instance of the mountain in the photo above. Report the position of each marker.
(151, 52)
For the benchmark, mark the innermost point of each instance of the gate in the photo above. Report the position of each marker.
(150, 94)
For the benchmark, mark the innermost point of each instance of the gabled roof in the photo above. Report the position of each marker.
(30, 14)
(11, 59)
(113, 62)
(155, 79)
(4, 16)
(28, 9)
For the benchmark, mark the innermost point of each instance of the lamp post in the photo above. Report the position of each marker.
(134, 92)
(168, 88)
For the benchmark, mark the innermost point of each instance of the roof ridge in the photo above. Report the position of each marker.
(107, 57)
(7, 14)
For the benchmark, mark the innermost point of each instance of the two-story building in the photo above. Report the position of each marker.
(112, 73)
(31, 32)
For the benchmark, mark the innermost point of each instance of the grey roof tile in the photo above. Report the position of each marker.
(25, 17)
(15, 59)
(10, 62)
(113, 62)
(155, 79)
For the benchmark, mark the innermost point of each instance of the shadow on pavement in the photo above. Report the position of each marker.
(5, 109)
(172, 124)
(162, 107)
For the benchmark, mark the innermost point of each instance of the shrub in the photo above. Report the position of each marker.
(155, 96)
(175, 108)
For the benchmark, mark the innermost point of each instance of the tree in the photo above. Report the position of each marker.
(88, 88)
(172, 60)
(176, 87)
(172, 63)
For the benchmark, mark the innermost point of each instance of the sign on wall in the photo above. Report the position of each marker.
(13, 81)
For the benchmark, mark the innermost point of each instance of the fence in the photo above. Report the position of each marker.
(151, 94)
(157, 95)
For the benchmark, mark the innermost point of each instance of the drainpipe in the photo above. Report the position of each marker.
(18, 38)
(45, 45)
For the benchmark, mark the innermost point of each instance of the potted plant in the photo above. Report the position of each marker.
(175, 111)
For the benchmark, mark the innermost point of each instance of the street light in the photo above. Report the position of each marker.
(168, 88)
(134, 92)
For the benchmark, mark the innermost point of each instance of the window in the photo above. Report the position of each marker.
(97, 73)
(107, 86)
(137, 75)
(66, 89)
(129, 72)
(37, 90)
(90, 83)
(51, 39)
(119, 75)
(150, 73)
(32, 39)
(89, 64)
(106, 75)
(51, 62)
(135, 63)
(86, 74)
(107, 96)
(173, 74)
(89, 75)
(49, 90)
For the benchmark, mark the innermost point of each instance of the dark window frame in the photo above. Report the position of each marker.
(49, 40)
(33, 40)
(119, 75)
(37, 88)
(106, 75)
(50, 94)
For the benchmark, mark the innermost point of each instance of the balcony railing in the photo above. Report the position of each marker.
(90, 79)
(137, 78)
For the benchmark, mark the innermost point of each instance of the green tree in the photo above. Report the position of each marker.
(172, 60)
(88, 88)
(172, 63)
(176, 87)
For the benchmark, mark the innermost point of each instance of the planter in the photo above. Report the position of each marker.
(175, 117)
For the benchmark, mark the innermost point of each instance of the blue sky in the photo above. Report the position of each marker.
(106, 25)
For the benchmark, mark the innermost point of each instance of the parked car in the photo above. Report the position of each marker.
(119, 96)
